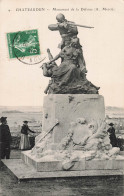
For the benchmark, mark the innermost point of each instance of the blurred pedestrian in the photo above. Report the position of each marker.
(5, 139)
(25, 142)
(112, 136)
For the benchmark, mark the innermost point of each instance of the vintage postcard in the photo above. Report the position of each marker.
(62, 97)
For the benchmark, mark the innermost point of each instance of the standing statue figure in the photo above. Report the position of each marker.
(68, 31)
(65, 28)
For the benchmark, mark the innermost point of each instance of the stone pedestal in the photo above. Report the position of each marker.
(67, 108)
(90, 156)
(48, 164)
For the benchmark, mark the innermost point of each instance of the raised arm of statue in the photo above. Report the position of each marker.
(50, 56)
(53, 27)
(55, 58)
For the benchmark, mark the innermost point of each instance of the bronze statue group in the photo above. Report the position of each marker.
(70, 76)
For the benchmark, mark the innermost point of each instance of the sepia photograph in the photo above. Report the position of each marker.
(62, 98)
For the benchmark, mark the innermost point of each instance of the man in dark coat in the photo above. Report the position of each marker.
(5, 139)
(112, 136)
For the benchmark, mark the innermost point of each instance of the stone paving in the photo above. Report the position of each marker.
(85, 186)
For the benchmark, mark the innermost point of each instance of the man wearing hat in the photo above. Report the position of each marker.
(5, 139)
(112, 136)
(25, 143)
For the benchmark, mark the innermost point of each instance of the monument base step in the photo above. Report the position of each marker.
(121, 153)
(50, 165)
(23, 172)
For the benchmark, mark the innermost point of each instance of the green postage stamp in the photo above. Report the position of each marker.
(23, 44)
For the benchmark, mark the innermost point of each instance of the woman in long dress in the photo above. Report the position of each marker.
(112, 136)
(25, 143)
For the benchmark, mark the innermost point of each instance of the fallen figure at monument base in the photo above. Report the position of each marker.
(84, 142)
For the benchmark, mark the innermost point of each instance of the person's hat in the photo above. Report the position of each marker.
(111, 124)
(3, 119)
(25, 121)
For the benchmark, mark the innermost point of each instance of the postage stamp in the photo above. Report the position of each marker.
(24, 44)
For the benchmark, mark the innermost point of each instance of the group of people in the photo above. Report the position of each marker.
(5, 138)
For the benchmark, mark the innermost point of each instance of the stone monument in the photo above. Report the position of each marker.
(74, 130)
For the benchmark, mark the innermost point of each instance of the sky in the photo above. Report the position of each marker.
(103, 46)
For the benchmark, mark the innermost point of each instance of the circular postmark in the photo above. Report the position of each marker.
(26, 47)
